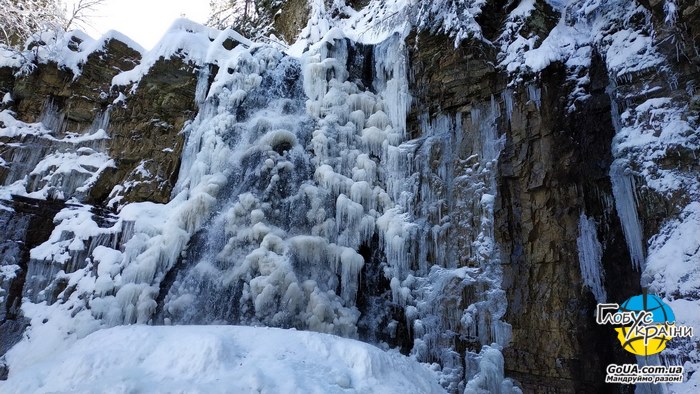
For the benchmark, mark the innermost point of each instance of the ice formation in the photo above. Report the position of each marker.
(291, 174)
(623, 187)
(54, 163)
(301, 192)
(590, 252)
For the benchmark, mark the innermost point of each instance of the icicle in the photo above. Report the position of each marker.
(624, 193)
(202, 87)
(52, 118)
(315, 84)
(491, 377)
(101, 122)
(534, 94)
(351, 264)
(508, 103)
(374, 139)
(491, 144)
(623, 188)
(590, 252)
(391, 79)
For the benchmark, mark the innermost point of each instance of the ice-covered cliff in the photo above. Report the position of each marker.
(458, 180)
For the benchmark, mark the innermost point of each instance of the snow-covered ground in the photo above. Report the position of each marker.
(217, 359)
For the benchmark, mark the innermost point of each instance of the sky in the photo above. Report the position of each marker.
(145, 21)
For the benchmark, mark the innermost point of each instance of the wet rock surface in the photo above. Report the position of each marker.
(25, 223)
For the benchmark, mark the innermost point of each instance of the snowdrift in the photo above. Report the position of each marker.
(217, 359)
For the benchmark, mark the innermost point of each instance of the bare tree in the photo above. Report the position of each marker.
(253, 18)
(80, 12)
(19, 19)
(227, 13)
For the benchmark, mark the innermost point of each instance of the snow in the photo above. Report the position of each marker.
(456, 19)
(193, 42)
(7, 273)
(12, 127)
(217, 359)
(559, 45)
(393, 16)
(76, 220)
(60, 169)
(379, 20)
(68, 50)
(674, 254)
(11, 58)
(629, 52)
(50, 162)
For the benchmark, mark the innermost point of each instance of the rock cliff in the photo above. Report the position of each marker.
(465, 193)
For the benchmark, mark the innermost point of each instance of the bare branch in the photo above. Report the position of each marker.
(21, 19)
(81, 12)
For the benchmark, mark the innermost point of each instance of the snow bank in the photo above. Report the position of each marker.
(197, 44)
(68, 50)
(207, 359)
(672, 265)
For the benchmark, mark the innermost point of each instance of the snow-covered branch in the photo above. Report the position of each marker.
(19, 19)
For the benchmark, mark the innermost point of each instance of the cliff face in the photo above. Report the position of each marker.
(136, 160)
(554, 166)
(143, 135)
(555, 172)
(467, 201)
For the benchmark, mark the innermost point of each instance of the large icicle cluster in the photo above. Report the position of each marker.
(304, 201)
(295, 176)
(106, 272)
(50, 162)
(451, 194)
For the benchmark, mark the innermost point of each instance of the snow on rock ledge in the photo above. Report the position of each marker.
(196, 43)
(219, 359)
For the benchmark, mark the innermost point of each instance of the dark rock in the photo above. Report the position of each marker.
(229, 44)
(147, 131)
(290, 19)
(28, 225)
(554, 166)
